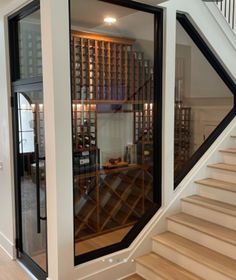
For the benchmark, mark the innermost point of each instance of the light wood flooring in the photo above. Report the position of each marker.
(11, 270)
(101, 241)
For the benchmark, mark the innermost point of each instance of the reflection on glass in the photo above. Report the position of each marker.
(33, 174)
(112, 79)
(30, 55)
(202, 100)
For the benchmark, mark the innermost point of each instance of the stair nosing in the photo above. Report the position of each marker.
(199, 260)
(214, 186)
(209, 206)
(171, 218)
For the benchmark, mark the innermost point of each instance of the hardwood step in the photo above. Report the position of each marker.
(229, 155)
(212, 204)
(159, 266)
(210, 235)
(214, 211)
(218, 190)
(228, 186)
(217, 231)
(223, 171)
(209, 259)
(223, 166)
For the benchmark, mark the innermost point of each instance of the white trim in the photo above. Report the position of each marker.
(7, 246)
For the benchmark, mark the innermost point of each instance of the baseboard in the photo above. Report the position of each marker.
(7, 246)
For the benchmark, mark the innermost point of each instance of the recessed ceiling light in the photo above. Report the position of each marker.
(110, 20)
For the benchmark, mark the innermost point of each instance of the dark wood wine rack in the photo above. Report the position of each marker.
(108, 70)
(182, 136)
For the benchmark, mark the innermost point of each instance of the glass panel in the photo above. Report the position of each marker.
(202, 100)
(30, 55)
(112, 79)
(32, 175)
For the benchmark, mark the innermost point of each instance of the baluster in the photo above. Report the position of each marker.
(233, 11)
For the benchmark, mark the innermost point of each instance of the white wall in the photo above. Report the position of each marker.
(115, 132)
(6, 173)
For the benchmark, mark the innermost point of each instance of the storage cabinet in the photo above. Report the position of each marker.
(110, 76)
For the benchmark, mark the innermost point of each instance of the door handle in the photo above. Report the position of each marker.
(37, 188)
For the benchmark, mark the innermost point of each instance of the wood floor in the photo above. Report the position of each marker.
(100, 241)
(11, 270)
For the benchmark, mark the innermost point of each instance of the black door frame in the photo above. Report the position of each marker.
(21, 85)
(21, 255)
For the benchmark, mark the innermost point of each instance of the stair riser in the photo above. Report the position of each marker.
(218, 194)
(222, 175)
(188, 263)
(146, 273)
(209, 215)
(229, 158)
(204, 239)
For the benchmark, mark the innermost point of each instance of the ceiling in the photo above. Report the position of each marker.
(90, 13)
(89, 16)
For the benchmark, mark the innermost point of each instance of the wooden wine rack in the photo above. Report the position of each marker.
(182, 136)
(111, 199)
(108, 70)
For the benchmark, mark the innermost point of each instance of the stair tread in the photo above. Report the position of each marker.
(214, 230)
(199, 253)
(217, 184)
(222, 207)
(165, 269)
(229, 150)
(223, 166)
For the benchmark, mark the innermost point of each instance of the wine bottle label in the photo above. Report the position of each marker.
(84, 161)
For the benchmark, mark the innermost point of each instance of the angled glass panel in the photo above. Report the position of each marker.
(202, 99)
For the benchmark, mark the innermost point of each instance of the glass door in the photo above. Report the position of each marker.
(31, 177)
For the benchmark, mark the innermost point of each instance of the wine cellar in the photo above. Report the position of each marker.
(110, 78)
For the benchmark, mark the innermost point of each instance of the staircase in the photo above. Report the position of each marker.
(200, 241)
